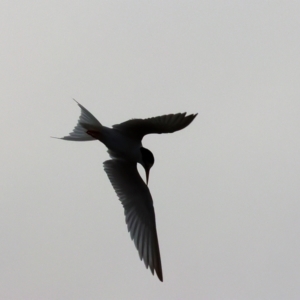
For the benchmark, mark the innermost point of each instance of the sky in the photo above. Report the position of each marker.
(225, 189)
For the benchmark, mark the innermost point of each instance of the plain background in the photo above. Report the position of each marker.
(225, 189)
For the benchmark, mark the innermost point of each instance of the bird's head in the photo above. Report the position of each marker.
(147, 161)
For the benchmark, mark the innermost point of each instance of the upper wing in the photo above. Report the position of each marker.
(139, 212)
(163, 124)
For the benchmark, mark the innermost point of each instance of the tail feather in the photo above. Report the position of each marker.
(86, 122)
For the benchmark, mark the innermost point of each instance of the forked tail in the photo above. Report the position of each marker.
(86, 123)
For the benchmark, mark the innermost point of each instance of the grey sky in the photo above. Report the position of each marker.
(225, 189)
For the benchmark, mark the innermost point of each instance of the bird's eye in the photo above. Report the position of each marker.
(148, 157)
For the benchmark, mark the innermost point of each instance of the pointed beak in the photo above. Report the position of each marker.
(147, 175)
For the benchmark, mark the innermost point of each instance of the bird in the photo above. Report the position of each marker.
(124, 144)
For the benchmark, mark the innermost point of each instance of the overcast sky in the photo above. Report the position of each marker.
(225, 189)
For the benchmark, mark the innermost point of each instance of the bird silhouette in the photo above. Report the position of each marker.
(124, 144)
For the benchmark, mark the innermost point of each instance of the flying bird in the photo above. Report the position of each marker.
(124, 143)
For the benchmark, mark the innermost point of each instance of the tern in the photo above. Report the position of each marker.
(124, 143)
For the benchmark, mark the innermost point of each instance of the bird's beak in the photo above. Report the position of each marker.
(147, 175)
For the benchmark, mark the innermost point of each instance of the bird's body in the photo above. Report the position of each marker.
(124, 143)
(121, 145)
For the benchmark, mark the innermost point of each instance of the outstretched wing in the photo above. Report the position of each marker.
(139, 212)
(163, 124)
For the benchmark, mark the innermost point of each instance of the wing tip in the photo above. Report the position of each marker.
(191, 117)
(159, 276)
